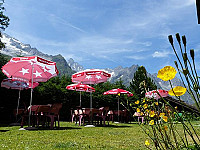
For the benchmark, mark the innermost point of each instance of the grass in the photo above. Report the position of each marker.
(70, 136)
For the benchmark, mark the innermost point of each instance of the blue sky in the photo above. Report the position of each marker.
(105, 33)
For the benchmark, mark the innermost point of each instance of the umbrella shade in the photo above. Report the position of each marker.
(30, 69)
(19, 85)
(80, 87)
(90, 76)
(154, 94)
(118, 91)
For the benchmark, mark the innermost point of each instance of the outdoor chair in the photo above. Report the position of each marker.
(41, 113)
(74, 115)
(125, 116)
(54, 114)
(139, 117)
(111, 115)
(102, 115)
(25, 115)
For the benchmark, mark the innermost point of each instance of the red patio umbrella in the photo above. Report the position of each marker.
(154, 94)
(30, 69)
(90, 76)
(80, 87)
(18, 85)
(118, 91)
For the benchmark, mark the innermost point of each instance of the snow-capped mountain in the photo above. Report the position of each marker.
(14, 48)
(74, 65)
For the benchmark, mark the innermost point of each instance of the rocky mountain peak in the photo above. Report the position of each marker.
(74, 65)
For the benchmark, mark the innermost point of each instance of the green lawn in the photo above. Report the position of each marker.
(71, 136)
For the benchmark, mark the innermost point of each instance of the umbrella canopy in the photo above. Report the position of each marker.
(154, 94)
(90, 76)
(80, 87)
(30, 69)
(118, 91)
(19, 85)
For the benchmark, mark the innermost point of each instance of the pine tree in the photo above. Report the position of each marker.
(4, 22)
(141, 83)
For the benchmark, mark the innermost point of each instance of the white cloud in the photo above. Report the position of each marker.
(136, 57)
(162, 54)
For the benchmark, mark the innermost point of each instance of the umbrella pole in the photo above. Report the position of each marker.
(18, 105)
(29, 117)
(91, 106)
(80, 98)
(118, 108)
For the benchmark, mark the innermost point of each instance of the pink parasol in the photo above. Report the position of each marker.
(118, 91)
(15, 84)
(154, 94)
(30, 69)
(80, 87)
(90, 76)
(18, 85)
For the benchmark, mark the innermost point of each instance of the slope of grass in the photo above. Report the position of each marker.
(71, 136)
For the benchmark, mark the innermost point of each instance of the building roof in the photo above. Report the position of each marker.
(182, 104)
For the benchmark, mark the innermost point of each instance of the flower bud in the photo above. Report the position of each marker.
(192, 53)
(178, 38)
(185, 72)
(185, 57)
(196, 87)
(184, 40)
(176, 64)
(170, 39)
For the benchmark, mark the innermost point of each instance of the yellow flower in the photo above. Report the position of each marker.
(143, 101)
(176, 107)
(141, 113)
(165, 118)
(165, 127)
(167, 73)
(152, 114)
(138, 110)
(177, 91)
(118, 94)
(137, 102)
(156, 103)
(162, 114)
(147, 143)
(151, 122)
(145, 106)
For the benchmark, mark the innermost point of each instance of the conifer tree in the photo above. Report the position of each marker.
(4, 22)
(141, 83)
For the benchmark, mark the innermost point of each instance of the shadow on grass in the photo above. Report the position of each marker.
(114, 126)
(4, 130)
(61, 128)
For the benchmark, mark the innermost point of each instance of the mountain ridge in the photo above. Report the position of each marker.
(14, 47)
